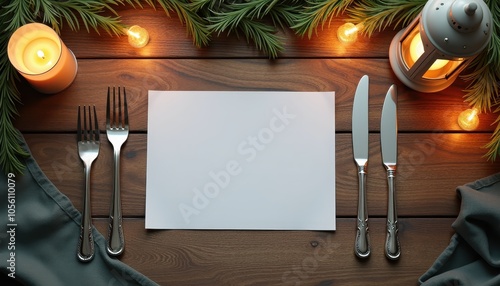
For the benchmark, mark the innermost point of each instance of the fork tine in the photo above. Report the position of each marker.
(90, 130)
(108, 110)
(96, 124)
(119, 121)
(113, 120)
(85, 130)
(125, 108)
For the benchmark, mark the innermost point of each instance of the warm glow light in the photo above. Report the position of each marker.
(468, 119)
(37, 52)
(348, 33)
(417, 49)
(138, 37)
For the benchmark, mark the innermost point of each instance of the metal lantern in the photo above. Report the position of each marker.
(429, 54)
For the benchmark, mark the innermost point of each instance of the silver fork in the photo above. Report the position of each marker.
(117, 130)
(88, 149)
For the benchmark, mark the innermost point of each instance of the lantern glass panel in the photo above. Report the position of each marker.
(412, 48)
(410, 56)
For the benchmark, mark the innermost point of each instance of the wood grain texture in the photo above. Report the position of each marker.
(418, 111)
(423, 181)
(184, 257)
(435, 155)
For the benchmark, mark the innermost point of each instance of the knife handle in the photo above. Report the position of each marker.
(392, 246)
(362, 243)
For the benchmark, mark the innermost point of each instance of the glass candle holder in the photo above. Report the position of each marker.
(41, 57)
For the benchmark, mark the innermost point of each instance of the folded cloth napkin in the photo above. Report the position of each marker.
(39, 230)
(473, 256)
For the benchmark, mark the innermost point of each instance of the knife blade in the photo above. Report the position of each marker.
(389, 146)
(360, 152)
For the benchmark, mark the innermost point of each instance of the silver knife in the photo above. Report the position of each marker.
(389, 145)
(360, 150)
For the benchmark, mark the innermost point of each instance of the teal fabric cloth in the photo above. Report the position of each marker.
(473, 256)
(38, 245)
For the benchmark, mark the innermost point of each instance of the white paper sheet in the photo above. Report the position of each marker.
(240, 160)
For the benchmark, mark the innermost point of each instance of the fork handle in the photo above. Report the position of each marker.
(116, 240)
(86, 240)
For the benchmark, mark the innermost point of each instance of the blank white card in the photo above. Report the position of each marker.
(240, 160)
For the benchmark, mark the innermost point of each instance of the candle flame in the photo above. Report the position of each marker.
(40, 54)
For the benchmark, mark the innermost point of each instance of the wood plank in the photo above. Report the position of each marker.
(430, 167)
(183, 257)
(418, 112)
(169, 39)
(435, 156)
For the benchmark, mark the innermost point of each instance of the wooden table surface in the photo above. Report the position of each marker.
(435, 155)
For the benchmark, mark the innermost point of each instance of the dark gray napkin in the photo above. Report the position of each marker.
(473, 256)
(39, 243)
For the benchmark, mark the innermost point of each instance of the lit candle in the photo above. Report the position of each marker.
(468, 119)
(138, 37)
(37, 52)
(348, 32)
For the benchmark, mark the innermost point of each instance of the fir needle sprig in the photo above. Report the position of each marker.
(250, 18)
(317, 13)
(378, 15)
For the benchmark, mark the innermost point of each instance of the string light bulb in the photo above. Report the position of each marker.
(138, 37)
(348, 32)
(468, 119)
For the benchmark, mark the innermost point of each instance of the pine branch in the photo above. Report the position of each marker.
(89, 12)
(201, 5)
(377, 15)
(494, 145)
(263, 36)
(483, 92)
(249, 17)
(228, 19)
(186, 12)
(11, 152)
(484, 70)
(284, 15)
(318, 12)
(18, 13)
